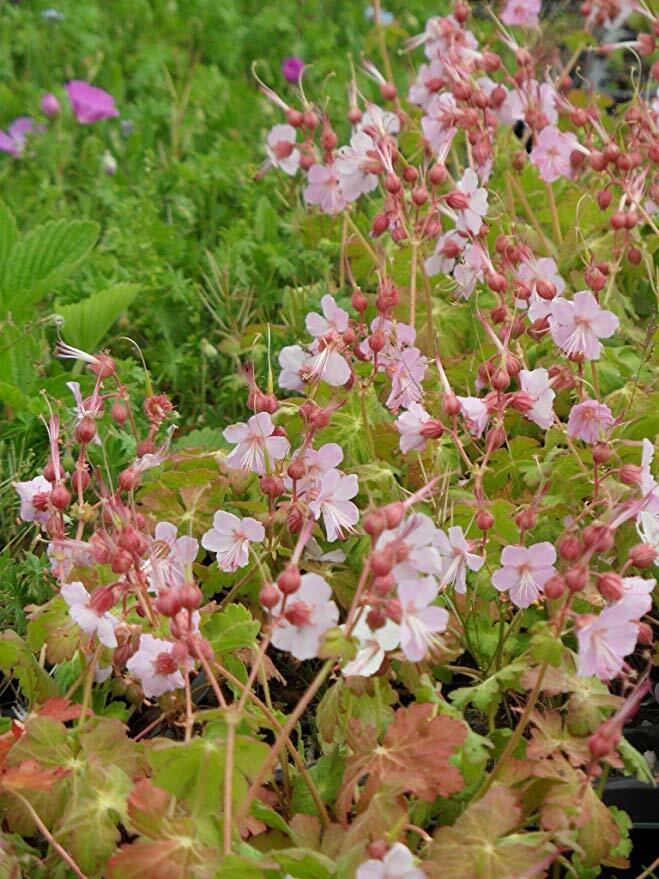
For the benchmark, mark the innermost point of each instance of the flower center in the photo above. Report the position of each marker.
(165, 664)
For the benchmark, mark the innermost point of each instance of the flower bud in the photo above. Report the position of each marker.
(269, 596)
(60, 497)
(394, 610)
(642, 555)
(310, 119)
(272, 486)
(598, 537)
(298, 613)
(545, 289)
(168, 602)
(380, 225)
(437, 174)
(576, 577)
(457, 200)
(359, 301)
(384, 586)
(296, 469)
(129, 479)
(634, 256)
(49, 472)
(102, 599)
(603, 742)
(382, 561)
(130, 538)
(294, 118)
(645, 634)
(594, 278)
(484, 519)
(500, 379)
(451, 405)
(601, 453)
(190, 596)
(432, 429)
(80, 480)
(50, 105)
(521, 401)
(121, 561)
(420, 195)
(554, 587)
(294, 520)
(495, 438)
(394, 513)
(609, 586)
(376, 618)
(289, 580)
(604, 199)
(392, 183)
(526, 519)
(376, 342)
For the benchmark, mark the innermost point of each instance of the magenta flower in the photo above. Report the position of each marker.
(87, 616)
(456, 554)
(50, 105)
(525, 571)
(282, 150)
(475, 414)
(409, 425)
(577, 326)
(324, 189)
(536, 383)
(13, 140)
(230, 538)
(420, 621)
(589, 421)
(171, 557)
(373, 644)
(398, 863)
(308, 614)
(605, 640)
(90, 104)
(333, 503)
(292, 68)
(295, 366)
(155, 667)
(27, 491)
(255, 441)
(551, 153)
(521, 13)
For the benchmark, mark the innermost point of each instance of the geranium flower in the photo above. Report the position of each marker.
(429, 80)
(456, 555)
(27, 491)
(383, 123)
(90, 620)
(438, 124)
(397, 335)
(292, 68)
(294, 362)
(524, 572)
(13, 140)
(470, 271)
(521, 13)
(324, 189)
(448, 247)
(577, 326)
(470, 219)
(647, 526)
(63, 553)
(90, 104)
(536, 383)
(406, 381)
(589, 421)
(414, 541)
(551, 153)
(398, 863)
(636, 595)
(409, 425)
(254, 441)
(533, 270)
(309, 613)
(358, 166)
(329, 366)
(332, 320)
(475, 414)
(318, 463)
(282, 149)
(334, 505)
(604, 641)
(420, 621)
(648, 485)
(373, 644)
(155, 667)
(171, 557)
(230, 538)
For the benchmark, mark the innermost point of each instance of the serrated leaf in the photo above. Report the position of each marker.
(231, 629)
(87, 322)
(15, 657)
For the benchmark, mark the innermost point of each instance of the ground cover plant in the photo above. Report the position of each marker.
(365, 588)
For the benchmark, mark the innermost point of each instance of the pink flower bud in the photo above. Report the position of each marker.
(269, 596)
(642, 555)
(554, 587)
(289, 580)
(484, 519)
(375, 522)
(60, 497)
(609, 586)
(50, 105)
(168, 602)
(382, 561)
(576, 577)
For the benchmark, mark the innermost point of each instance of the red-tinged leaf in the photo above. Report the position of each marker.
(161, 859)
(481, 844)
(148, 808)
(30, 775)
(60, 709)
(413, 757)
(550, 736)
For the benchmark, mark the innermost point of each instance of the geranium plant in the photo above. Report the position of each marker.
(396, 625)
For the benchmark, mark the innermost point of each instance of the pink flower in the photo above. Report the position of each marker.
(589, 421)
(470, 271)
(522, 13)
(332, 320)
(409, 425)
(420, 621)
(536, 383)
(86, 616)
(155, 667)
(63, 553)
(294, 362)
(328, 365)
(428, 82)
(448, 247)
(358, 166)
(319, 462)
(373, 644)
(324, 189)
(577, 326)
(27, 491)
(308, 614)
(406, 381)
(90, 104)
(292, 68)
(230, 538)
(551, 153)
(398, 863)
(50, 105)
(636, 596)
(438, 124)
(334, 505)
(604, 641)
(255, 441)
(13, 140)
(171, 557)
(456, 555)
(533, 270)
(470, 219)
(397, 335)
(282, 150)
(475, 414)
(649, 486)
(525, 572)
(413, 541)
(379, 123)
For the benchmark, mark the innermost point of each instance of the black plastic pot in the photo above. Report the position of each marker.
(641, 802)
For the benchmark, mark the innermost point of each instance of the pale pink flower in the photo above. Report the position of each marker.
(332, 320)
(378, 122)
(577, 326)
(589, 421)
(413, 541)
(373, 644)
(521, 13)
(171, 557)
(420, 621)
(294, 362)
(85, 615)
(540, 100)
(604, 641)
(429, 81)
(320, 461)
(334, 505)
(524, 572)
(456, 555)
(409, 425)
(636, 596)
(358, 166)
(470, 219)
(406, 381)
(533, 270)
(90, 104)
(512, 109)
(316, 553)
(551, 153)
(398, 863)
(64, 553)
(447, 248)
(282, 149)
(329, 366)
(647, 525)
(230, 538)
(324, 189)
(470, 271)
(475, 414)
(308, 614)
(438, 124)
(254, 441)
(648, 485)
(155, 667)
(397, 336)
(536, 383)
(13, 141)
(26, 492)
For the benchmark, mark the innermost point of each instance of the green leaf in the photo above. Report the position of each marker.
(304, 864)
(635, 762)
(231, 629)
(7, 235)
(13, 397)
(87, 322)
(36, 685)
(45, 257)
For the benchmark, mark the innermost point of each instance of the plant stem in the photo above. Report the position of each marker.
(43, 830)
(415, 257)
(367, 426)
(554, 214)
(359, 234)
(529, 212)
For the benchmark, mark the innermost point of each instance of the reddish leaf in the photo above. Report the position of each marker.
(60, 709)
(30, 775)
